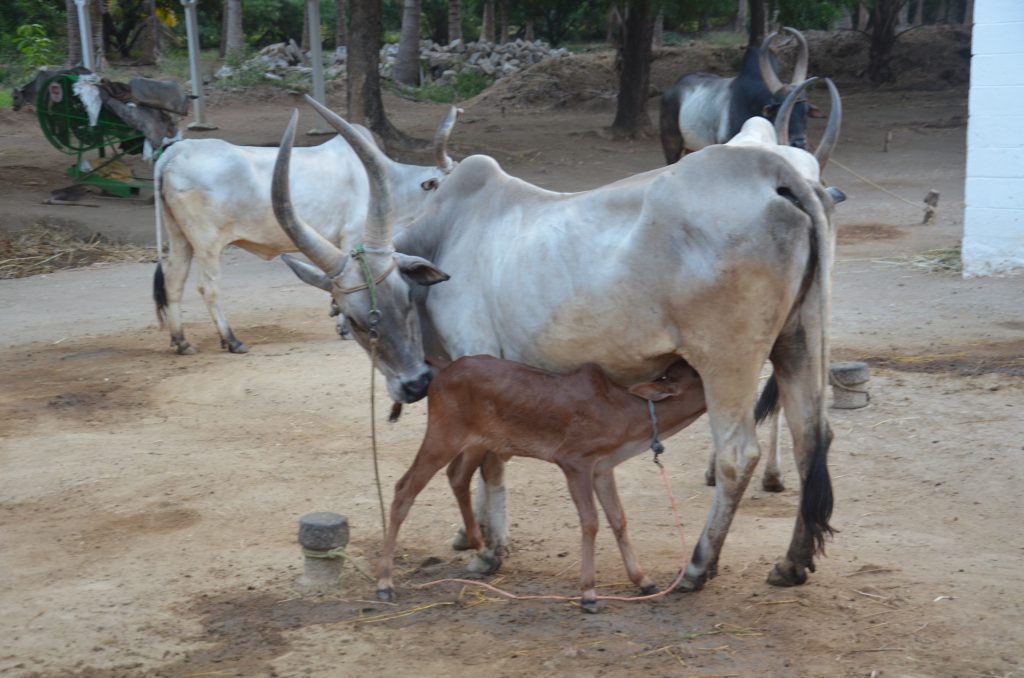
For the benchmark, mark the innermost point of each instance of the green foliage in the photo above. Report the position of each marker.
(5, 99)
(819, 14)
(467, 85)
(14, 13)
(36, 48)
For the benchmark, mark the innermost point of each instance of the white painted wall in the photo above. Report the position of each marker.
(994, 219)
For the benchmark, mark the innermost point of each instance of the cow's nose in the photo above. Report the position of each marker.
(415, 389)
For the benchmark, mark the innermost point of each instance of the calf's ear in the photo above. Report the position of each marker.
(814, 112)
(419, 270)
(311, 275)
(654, 390)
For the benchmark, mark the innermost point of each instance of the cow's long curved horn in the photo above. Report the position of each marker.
(378, 229)
(785, 110)
(319, 250)
(800, 70)
(768, 74)
(444, 162)
(835, 121)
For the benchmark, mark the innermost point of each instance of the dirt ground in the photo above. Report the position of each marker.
(149, 502)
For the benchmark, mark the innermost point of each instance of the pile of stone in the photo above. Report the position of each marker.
(440, 63)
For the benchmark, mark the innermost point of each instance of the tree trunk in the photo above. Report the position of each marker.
(631, 114)
(454, 20)
(658, 34)
(407, 68)
(235, 45)
(613, 27)
(99, 43)
(304, 40)
(365, 105)
(882, 22)
(74, 35)
(487, 30)
(529, 34)
(969, 13)
(502, 21)
(755, 33)
(863, 16)
(153, 22)
(340, 35)
(742, 9)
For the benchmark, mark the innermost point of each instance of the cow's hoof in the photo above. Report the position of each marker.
(589, 606)
(772, 484)
(461, 541)
(386, 595)
(186, 349)
(650, 589)
(687, 585)
(234, 346)
(787, 575)
(709, 478)
(486, 562)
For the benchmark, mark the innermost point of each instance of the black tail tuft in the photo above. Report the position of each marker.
(160, 294)
(816, 499)
(768, 402)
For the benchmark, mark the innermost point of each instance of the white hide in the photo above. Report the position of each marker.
(704, 115)
(759, 132)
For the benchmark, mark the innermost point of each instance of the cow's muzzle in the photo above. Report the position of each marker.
(416, 388)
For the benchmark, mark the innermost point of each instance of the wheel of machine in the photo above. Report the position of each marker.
(65, 124)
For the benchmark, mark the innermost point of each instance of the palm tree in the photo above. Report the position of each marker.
(407, 69)
(235, 40)
(454, 20)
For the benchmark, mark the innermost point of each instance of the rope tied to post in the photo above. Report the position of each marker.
(656, 447)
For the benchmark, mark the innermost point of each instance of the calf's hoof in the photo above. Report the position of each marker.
(386, 595)
(787, 575)
(772, 484)
(650, 589)
(589, 606)
(709, 478)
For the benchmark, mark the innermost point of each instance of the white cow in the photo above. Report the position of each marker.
(211, 194)
(723, 259)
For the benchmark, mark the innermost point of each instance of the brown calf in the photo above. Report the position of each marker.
(580, 421)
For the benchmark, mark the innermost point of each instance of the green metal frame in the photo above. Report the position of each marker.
(65, 125)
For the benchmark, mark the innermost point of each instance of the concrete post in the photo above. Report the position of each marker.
(319, 534)
(317, 57)
(85, 32)
(849, 385)
(198, 106)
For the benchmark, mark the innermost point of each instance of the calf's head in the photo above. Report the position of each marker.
(372, 285)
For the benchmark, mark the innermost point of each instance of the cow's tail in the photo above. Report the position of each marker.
(768, 401)
(159, 288)
(816, 496)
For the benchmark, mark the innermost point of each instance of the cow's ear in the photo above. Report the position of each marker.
(654, 390)
(814, 112)
(419, 270)
(769, 111)
(311, 275)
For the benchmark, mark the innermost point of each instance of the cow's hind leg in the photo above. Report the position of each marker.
(175, 272)
(771, 481)
(798, 365)
(209, 277)
(736, 455)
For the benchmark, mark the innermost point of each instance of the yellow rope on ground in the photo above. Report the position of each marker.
(883, 189)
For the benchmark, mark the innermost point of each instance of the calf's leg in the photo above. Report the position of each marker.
(608, 495)
(460, 475)
(580, 479)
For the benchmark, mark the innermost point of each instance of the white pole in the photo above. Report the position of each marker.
(85, 33)
(319, 92)
(192, 29)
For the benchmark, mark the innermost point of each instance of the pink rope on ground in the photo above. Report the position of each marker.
(628, 599)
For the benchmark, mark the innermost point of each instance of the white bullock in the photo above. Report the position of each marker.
(211, 194)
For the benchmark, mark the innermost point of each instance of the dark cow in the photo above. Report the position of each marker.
(703, 109)
(29, 92)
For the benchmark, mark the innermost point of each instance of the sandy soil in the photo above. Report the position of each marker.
(148, 502)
